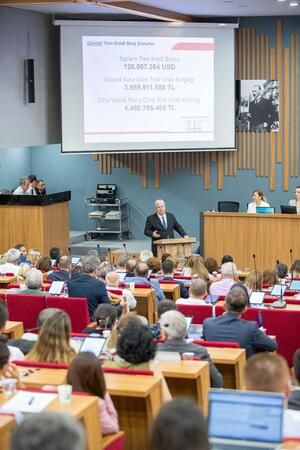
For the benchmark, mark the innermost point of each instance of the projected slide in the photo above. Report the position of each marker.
(154, 89)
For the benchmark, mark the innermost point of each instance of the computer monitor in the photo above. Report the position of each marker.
(287, 209)
(265, 210)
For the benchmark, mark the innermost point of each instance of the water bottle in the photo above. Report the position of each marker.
(65, 290)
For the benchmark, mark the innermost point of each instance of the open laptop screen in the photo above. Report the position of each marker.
(295, 285)
(278, 290)
(265, 210)
(257, 298)
(251, 416)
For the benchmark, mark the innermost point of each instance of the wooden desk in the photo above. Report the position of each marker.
(231, 363)
(14, 330)
(5, 281)
(84, 408)
(228, 233)
(188, 378)
(7, 424)
(171, 291)
(146, 304)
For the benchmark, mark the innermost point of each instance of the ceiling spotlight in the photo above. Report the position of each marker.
(293, 4)
(281, 1)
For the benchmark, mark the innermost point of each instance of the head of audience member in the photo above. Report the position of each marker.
(64, 263)
(174, 260)
(195, 263)
(53, 344)
(112, 279)
(102, 272)
(269, 277)
(268, 372)
(226, 259)
(154, 264)
(141, 270)
(130, 265)
(135, 344)
(236, 300)
(296, 365)
(4, 358)
(173, 325)
(239, 284)
(198, 289)
(295, 269)
(258, 197)
(22, 249)
(126, 320)
(168, 268)
(41, 186)
(211, 265)
(33, 256)
(13, 256)
(228, 270)
(180, 423)
(164, 306)
(160, 207)
(121, 263)
(164, 256)
(24, 184)
(85, 375)
(144, 255)
(90, 265)
(32, 180)
(105, 316)
(22, 273)
(44, 315)
(44, 264)
(55, 253)
(254, 280)
(48, 431)
(76, 271)
(34, 279)
(282, 270)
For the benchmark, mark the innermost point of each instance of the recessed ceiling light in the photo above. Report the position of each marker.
(281, 1)
(293, 4)
(222, 24)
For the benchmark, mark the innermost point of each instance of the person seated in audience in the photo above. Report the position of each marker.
(197, 294)
(226, 259)
(197, 268)
(53, 344)
(173, 326)
(136, 350)
(162, 307)
(55, 253)
(22, 274)
(281, 270)
(8, 369)
(141, 277)
(40, 188)
(228, 273)
(230, 327)
(269, 277)
(22, 189)
(88, 286)
(23, 254)
(14, 352)
(259, 200)
(270, 373)
(121, 263)
(294, 400)
(154, 265)
(48, 431)
(130, 266)
(212, 266)
(33, 256)
(295, 269)
(75, 271)
(144, 255)
(105, 319)
(34, 283)
(165, 256)
(103, 271)
(179, 424)
(44, 264)
(32, 185)
(239, 284)
(63, 272)
(112, 280)
(253, 281)
(12, 262)
(168, 275)
(85, 375)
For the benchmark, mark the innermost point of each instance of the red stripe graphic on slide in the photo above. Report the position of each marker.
(199, 46)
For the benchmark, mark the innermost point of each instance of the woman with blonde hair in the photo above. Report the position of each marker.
(33, 256)
(253, 281)
(196, 266)
(259, 200)
(53, 344)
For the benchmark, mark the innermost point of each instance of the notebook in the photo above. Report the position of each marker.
(245, 420)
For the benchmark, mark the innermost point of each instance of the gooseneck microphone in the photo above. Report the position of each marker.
(291, 256)
(99, 252)
(256, 280)
(125, 248)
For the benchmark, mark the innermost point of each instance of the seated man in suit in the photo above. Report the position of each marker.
(161, 225)
(173, 326)
(232, 328)
(141, 277)
(63, 274)
(40, 188)
(168, 269)
(198, 292)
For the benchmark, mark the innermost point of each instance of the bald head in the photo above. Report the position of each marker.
(141, 270)
(112, 279)
(198, 288)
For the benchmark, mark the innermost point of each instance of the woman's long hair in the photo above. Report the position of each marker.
(85, 375)
(53, 344)
(195, 263)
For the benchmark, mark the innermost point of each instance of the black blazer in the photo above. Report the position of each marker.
(154, 223)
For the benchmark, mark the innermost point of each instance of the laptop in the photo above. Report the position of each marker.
(257, 298)
(75, 260)
(211, 299)
(93, 344)
(287, 209)
(279, 290)
(265, 210)
(56, 287)
(245, 420)
(295, 285)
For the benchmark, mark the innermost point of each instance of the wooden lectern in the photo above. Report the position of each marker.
(179, 248)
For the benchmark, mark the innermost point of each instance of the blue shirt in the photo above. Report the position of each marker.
(154, 284)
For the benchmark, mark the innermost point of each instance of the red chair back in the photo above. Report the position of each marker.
(142, 286)
(25, 308)
(116, 443)
(40, 365)
(115, 290)
(168, 282)
(76, 308)
(13, 286)
(219, 344)
(250, 314)
(48, 281)
(7, 274)
(182, 277)
(199, 312)
(127, 371)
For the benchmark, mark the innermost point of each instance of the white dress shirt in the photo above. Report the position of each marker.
(252, 206)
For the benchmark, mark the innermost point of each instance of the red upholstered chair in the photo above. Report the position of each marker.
(250, 314)
(76, 308)
(142, 286)
(167, 282)
(127, 371)
(13, 286)
(25, 308)
(114, 441)
(182, 277)
(115, 290)
(199, 312)
(48, 281)
(266, 285)
(220, 344)
(40, 365)
(7, 274)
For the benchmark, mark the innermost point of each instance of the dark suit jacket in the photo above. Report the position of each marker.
(230, 328)
(184, 293)
(261, 112)
(154, 223)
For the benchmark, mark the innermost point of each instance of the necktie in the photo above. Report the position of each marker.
(164, 222)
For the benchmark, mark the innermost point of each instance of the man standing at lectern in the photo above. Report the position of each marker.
(161, 225)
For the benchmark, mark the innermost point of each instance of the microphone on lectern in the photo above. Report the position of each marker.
(256, 280)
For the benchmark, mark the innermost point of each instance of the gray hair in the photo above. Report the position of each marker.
(174, 324)
(64, 262)
(48, 431)
(198, 287)
(122, 260)
(34, 279)
(159, 202)
(90, 264)
(23, 179)
(45, 314)
(12, 255)
(228, 270)
(104, 271)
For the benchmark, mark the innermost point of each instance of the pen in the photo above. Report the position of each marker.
(31, 401)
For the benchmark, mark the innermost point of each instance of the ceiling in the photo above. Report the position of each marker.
(194, 8)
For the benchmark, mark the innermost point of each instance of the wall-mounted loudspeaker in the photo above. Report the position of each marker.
(29, 70)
